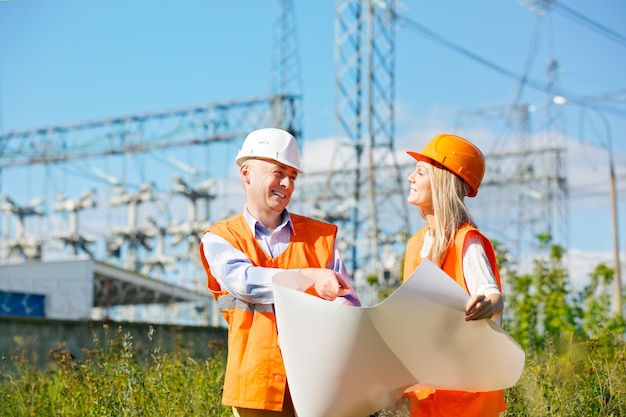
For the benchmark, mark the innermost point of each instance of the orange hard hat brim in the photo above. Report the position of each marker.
(419, 157)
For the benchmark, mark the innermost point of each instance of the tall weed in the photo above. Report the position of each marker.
(112, 380)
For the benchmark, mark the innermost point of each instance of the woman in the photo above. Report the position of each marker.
(448, 169)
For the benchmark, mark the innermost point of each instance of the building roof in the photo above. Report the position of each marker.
(115, 286)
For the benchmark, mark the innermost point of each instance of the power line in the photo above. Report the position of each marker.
(420, 29)
(522, 80)
(590, 24)
(532, 53)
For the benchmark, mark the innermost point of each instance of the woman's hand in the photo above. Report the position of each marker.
(484, 307)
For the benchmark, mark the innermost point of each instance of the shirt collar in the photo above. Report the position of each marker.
(252, 222)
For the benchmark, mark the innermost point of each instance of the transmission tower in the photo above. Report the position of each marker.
(364, 186)
(286, 72)
(558, 197)
(524, 191)
(139, 133)
(211, 131)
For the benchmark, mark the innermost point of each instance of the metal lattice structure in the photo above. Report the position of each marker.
(143, 244)
(525, 191)
(146, 245)
(364, 189)
(137, 133)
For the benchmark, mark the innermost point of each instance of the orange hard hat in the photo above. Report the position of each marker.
(457, 155)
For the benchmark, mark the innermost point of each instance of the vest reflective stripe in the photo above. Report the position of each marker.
(449, 403)
(228, 302)
(255, 374)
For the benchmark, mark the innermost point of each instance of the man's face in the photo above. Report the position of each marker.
(270, 184)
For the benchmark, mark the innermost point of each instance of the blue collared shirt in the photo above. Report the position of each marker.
(235, 273)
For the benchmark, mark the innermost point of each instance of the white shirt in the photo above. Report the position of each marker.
(235, 273)
(479, 277)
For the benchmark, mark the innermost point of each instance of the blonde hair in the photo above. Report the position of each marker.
(450, 212)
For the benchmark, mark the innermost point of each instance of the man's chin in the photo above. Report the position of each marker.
(279, 206)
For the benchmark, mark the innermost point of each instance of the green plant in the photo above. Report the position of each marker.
(575, 361)
(585, 379)
(113, 380)
(538, 308)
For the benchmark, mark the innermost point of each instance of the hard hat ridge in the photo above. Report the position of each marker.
(270, 143)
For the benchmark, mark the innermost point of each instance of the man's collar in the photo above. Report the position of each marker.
(252, 222)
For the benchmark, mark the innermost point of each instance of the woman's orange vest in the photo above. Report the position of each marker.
(450, 403)
(255, 374)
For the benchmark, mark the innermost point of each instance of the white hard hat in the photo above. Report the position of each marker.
(270, 143)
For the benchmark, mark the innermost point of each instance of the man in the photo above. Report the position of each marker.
(240, 256)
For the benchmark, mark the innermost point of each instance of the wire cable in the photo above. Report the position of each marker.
(522, 80)
(416, 27)
(590, 24)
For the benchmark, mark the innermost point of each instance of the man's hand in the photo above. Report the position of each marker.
(328, 284)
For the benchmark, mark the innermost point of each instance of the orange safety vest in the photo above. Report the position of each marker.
(255, 374)
(444, 403)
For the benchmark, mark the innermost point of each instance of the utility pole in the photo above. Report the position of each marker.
(617, 277)
(27, 246)
(72, 237)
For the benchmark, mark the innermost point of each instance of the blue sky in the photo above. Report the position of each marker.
(65, 61)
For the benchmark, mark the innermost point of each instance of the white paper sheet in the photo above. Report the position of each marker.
(344, 361)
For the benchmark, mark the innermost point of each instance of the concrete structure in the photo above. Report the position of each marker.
(37, 339)
(73, 289)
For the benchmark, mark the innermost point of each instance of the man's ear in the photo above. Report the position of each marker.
(244, 172)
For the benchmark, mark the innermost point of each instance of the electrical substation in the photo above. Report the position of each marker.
(124, 246)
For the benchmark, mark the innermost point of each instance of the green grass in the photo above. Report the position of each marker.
(112, 379)
(587, 379)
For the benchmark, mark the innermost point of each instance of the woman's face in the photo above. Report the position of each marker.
(420, 192)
